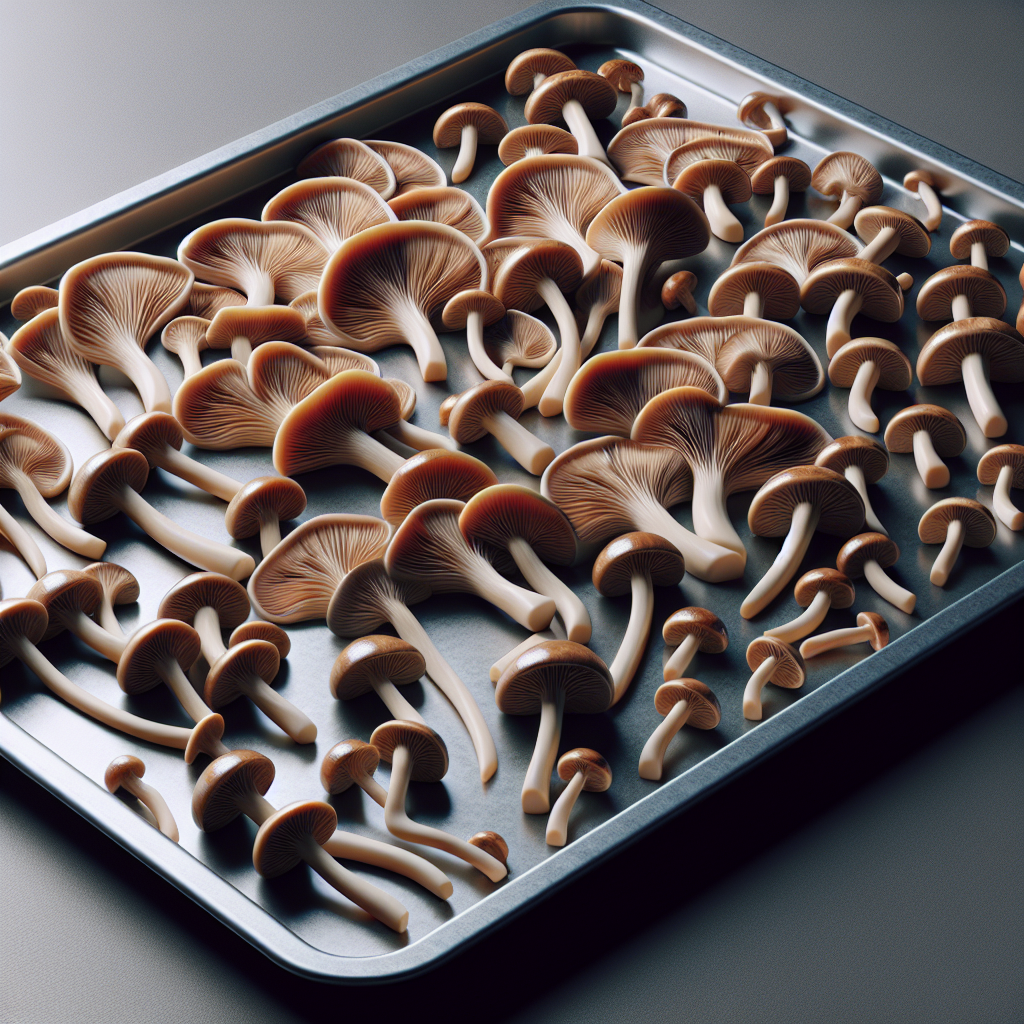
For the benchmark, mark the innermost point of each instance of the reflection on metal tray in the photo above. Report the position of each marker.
(297, 920)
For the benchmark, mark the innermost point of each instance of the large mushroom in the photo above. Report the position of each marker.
(412, 168)
(779, 177)
(468, 125)
(125, 772)
(1002, 467)
(690, 630)
(583, 769)
(681, 702)
(627, 77)
(817, 591)
(863, 365)
(527, 70)
(932, 434)
(851, 179)
(771, 661)
(352, 159)
(871, 628)
(380, 664)
(953, 523)
(869, 555)
(863, 461)
(576, 97)
(797, 246)
(435, 473)
(704, 336)
(185, 336)
(444, 205)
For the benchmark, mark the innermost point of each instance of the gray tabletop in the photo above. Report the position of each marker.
(885, 885)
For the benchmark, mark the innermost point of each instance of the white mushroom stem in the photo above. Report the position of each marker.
(550, 403)
(401, 825)
(760, 385)
(369, 453)
(855, 474)
(25, 545)
(1003, 507)
(634, 268)
(536, 794)
(241, 349)
(652, 757)
(191, 361)
(881, 247)
(207, 554)
(467, 154)
(399, 707)
(171, 673)
(527, 449)
(710, 517)
(933, 471)
(530, 610)
(887, 588)
(108, 620)
(147, 378)
(283, 713)
(979, 257)
(724, 224)
(96, 637)
(774, 115)
(60, 530)
(373, 789)
(206, 623)
(592, 332)
(859, 402)
(960, 307)
(840, 320)
(557, 831)
(752, 693)
(531, 641)
(753, 305)
(816, 645)
(986, 409)
(848, 207)
(422, 339)
(534, 388)
(220, 486)
(638, 629)
(805, 623)
(349, 846)
(417, 438)
(579, 124)
(572, 610)
(95, 401)
(932, 204)
(270, 534)
(481, 360)
(943, 565)
(636, 96)
(780, 203)
(681, 657)
(260, 290)
(148, 796)
(392, 444)
(794, 547)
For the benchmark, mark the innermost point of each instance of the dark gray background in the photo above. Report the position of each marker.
(853, 879)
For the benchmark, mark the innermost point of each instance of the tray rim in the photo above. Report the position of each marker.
(238, 911)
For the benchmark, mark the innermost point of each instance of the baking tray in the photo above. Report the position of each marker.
(296, 920)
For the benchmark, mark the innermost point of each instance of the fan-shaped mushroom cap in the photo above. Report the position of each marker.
(257, 629)
(281, 375)
(847, 176)
(984, 293)
(608, 391)
(406, 396)
(122, 769)
(225, 783)
(776, 289)
(374, 659)
(226, 679)
(910, 236)
(521, 74)
(789, 671)
(947, 433)
(151, 646)
(991, 237)
(748, 154)
(346, 762)
(350, 158)
(551, 666)
(792, 367)
(796, 173)
(703, 335)
(979, 525)
(21, 618)
(519, 339)
(837, 585)
(753, 114)
(427, 751)
(882, 297)
(866, 547)
(283, 837)
(297, 580)
(358, 605)
(894, 370)
(101, 478)
(678, 291)
(252, 326)
(435, 473)
(709, 630)
(63, 593)
(412, 168)
(797, 246)
(260, 259)
(10, 375)
(26, 448)
(636, 554)
(31, 301)
(864, 452)
(596, 772)
(839, 506)
(265, 499)
(185, 336)
(207, 300)
(596, 95)
(501, 512)
(206, 590)
(535, 140)
(517, 282)
(380, 287)
(444, 205)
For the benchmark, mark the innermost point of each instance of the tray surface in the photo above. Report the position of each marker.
(312, 917)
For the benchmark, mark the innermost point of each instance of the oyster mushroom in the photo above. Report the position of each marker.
(626, 77)
(210, 603)
(932, 434)
(583, 769)
(797, 246)
(761, 111)
(1002, 467)
(869, 555)
(185, 336)
(690, 630)
(435, 473)
(864, 364)
(960, 292)
(871, 628)
(851, 179)
(818, 591)
(468, 125)
(677, 291)
(33, 300)
(713, 182)
(118, 587)
(350, 158)
(779, 177)
(953, 523)
(70, 597)
(242, 328)
(526, 71)
(769, 360)
(518, 339)
(797, 502)
(206, 300)
(924, 185)
(111, 305)
(681, 702)
(977, 240)
(125, 772)
(703, 335)
(535, 140)
(577, 97)
(756, 290)
(259, 630)
(885, 231)
(771, 661)
(380, 664)
(863, 461)
(472, 311)
(444, 205)
(260, 505)
(412, 169)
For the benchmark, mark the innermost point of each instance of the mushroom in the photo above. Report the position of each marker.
(610, 485)
(677, 291)
(551, 633)
(206, 300)
(797, 502)
(352, 763)
(13, 533)
(381, 286)
(977, 240)
(769, 360)
(550, 679)
(704, 336)
(797, 246)
(242, 328)
(467, 125)
(412, 168)
(109, 483)
(960, 292)
(125, 772)
(637, 562)
(576, 96)
(681, 702)
(728, 449)
(863, 461)
(526, 71)
(260, 505)
(851, 179)
(33, 300)
(626, 77)
(429, 548)
(111, 305)
(756, 290)
(1002, 467)
(818, 591)
(596, 300)
(692, 629)
(609, 390)
(210, 603)
(641, 229)
(761, 111)
(954, 522)
(381, 664)
(185, 336)
(350, 158)
(932, 434)
(864, 364)
(535, 140)
(259, 630)
(518, 339)
(70, 597)
(10, 375)
(444, 205)
(976, 351)
(533, 530)
(472, 310)
(118, 586)
(869, 555)
(771, 661)
(923, 184)
(843, 288)
(885, 231)
(38, 466)
(435, 473)
(368, 597)
(871, 628)
(417, 754)
(778, 177)
(713, 181)
(281, 375)
(583, 769)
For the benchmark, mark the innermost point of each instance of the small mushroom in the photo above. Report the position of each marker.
(1002, 467)
(924, 185)
(626, 77)
(535, 140)
(259, 630)
(352, 763)
(468, 125)
(381, 664)
(70, 597)
(869, 555)
(977, 240)
(210, 603)
(576, 96)
(596, 300)
(756, 290)
(954, 522)
(771, 661)
(797, 246)
(864, 364)
(412, 168)
(531, 67)
(712, 181)
(583, 769)
(119, 586)
(761, 111)
(797, 502)
(932, 434)
(10, 375)
(960, 292)
(451, 206)
(767, 360)
(779, 177)
(885, 230)
(352, 159)
(863, 461)
(677, 291)
(205, 301)
(690, 630)
(818, 591)
(664, 104)
(871, 628)
(185, 336)
(33, 300)
(518, 339)
(435, 473)
(851, 179)
(473, 310)
(125, 772)
(242, 328)
(681, 702)
(637, 562)
(109, 483)
(259, 507)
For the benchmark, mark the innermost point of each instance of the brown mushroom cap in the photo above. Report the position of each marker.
(850, 173)
(878, 626)
(152, 645)
(256, 324)
(346, 762)
(732, 181)
(866, 547)
(206, 590)
(467, 421)
(796, 373)
(636, 554)
(855, 450)
(99, 482)
(946, 431)
(502, 511)
(882, 298)
(349, 158)
(31, 301)
(65, 592)
(678, 291)
(282, 375)
(516, 283)
(123, 769)
(894, 370)
(534, 139)
(840, 508)
(621, 73)
(752, 113)
(520, 339)
(992, 236)
(474, 300)
(796, 173)
(664, 104)
(282, 837)
(705, 711)
(452, 206)
(983, 290)
(427, 752)
(406, 396)
(551, 666)
(491, 843)
(257, 629)
(118, 584)
(265, 498)
(798, 246)
(538, 61)
(19, 618)
(838, 586)
(224, 782)
(992, 461)
(941, 358)
(374, 659)
(435, 473)
(712, 636)
(749, 154)
(596, 772)
(186, 334)
(979, 524)
(592, 92)
(25, 447)
(776, 287)
(914, 239)
(227, 677)
(490, 125)
(151, 433)
(703, 335)
(205, 301)
(412, 168)
(789, 672)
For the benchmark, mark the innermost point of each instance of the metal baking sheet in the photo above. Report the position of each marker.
(297, 920)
